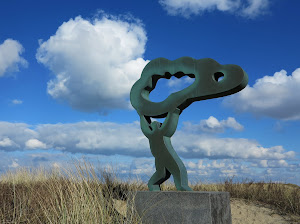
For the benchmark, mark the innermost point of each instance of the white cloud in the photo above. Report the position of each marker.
(95, 63)
(255, 8)
(191, 165)
(273, 163)
(10, 59)
(15, 101)
(186, 8)
(264, 163)
(200, 164)
(271, 96)
(214, 164)
(35, 144)
(143, 166)
(212, 125)
(14, 164)
(6, 142)
(175, 82)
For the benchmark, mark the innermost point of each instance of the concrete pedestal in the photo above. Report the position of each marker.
(188, 207)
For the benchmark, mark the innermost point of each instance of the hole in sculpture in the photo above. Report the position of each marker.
(151, 119)
(168, 84)
(218, 76)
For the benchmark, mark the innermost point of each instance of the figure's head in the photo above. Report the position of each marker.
(207, 85)
(155, 125)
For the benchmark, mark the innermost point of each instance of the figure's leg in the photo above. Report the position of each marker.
(160, 176)
(178, 170)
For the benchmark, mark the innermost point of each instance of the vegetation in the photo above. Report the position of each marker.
(64, 196)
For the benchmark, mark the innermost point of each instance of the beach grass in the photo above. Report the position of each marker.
(81, 195)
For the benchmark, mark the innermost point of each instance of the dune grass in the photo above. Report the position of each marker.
(82, 196)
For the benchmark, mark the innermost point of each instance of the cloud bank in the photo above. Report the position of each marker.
(95, 63)
(203, 170)
(186, 8)
(10, 57)
(271, 96)
(106, 138)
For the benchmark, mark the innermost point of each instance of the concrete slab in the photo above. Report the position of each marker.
(188, 207)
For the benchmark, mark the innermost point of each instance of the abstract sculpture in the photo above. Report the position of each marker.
(207, 85)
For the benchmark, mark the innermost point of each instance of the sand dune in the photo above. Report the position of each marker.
(244, 212)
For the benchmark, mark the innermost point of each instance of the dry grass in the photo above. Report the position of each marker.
(41, 196)
(64, 196)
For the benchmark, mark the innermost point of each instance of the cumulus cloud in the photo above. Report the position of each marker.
(213, 125)
(14, 164)
(10, 57)
(6, 142)
(35, 144)
(271, 96)
(186, 8)
(95, 63)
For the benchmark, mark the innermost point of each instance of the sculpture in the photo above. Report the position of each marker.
(207, 85)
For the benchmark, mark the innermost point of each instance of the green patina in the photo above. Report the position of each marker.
(207, 85)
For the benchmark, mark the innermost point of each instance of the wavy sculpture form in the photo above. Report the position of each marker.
(207, 85)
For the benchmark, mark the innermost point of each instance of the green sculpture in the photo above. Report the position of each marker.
(207, 85)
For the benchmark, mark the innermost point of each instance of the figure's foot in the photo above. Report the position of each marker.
(184, 188)
(154, 187)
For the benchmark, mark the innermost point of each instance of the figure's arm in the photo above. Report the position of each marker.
(145, 126)
(169, 126)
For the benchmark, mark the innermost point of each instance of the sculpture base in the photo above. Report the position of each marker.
(183, 207)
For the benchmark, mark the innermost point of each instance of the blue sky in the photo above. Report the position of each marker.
(67, 67)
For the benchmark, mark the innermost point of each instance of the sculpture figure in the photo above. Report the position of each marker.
(207, 85)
